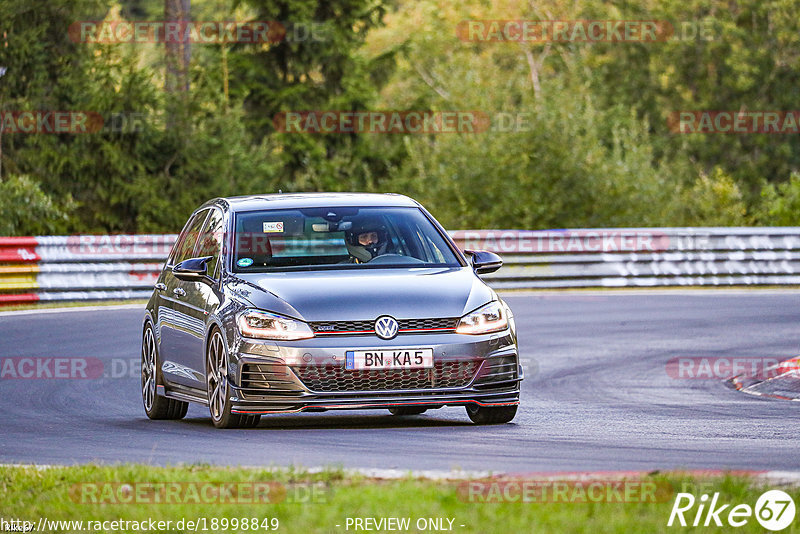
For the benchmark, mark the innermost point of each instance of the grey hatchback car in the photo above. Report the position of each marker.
(311, 302)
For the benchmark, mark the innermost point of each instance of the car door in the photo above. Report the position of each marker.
(195, 301)
(180, 322)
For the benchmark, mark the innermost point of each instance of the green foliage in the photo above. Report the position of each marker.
(781, 204)
(144, 176)
(594, 148)
(723, 56)
(600, 152)
(577, 166)
(26, 210)
(569, 163)
(316, 67)
(713, 200)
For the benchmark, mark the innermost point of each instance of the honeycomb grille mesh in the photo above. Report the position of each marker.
(330, 378)
(417, 324)
(323, 327)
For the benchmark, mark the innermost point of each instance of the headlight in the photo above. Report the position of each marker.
(510, 316)
(265, 325)
(489, 318)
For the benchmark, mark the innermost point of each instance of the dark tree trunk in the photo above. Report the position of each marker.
(178, 54)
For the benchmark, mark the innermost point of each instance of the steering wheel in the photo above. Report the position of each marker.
(393, 258)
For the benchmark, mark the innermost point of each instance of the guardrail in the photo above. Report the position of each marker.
(87, 267)
(641, 257)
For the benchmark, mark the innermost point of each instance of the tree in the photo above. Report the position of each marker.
(317, 66)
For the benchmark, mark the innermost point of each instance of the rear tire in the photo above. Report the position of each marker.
(219, 390)
(407, 410)
(491, 415)
(156, 406)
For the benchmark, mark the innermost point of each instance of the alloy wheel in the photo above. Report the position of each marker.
(148, 369)
(217, 376)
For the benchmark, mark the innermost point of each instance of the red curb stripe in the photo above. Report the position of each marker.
(18, 241)
(23, 297)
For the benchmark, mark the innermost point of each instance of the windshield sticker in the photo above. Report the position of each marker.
(273, 227)
(245, 262)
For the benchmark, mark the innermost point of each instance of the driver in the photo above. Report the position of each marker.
(366, 240)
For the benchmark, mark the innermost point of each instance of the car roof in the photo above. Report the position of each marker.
(311, 200)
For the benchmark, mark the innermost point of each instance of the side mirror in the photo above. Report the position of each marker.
(484, 262)
(193, 270)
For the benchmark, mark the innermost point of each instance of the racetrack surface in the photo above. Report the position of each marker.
(601, 398)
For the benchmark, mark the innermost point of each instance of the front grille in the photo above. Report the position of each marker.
(330, 378)
(428, 324)
(328, 327)
(368, 327)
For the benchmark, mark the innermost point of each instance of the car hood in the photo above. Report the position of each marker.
(350, 295)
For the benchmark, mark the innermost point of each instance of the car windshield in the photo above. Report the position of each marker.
(341, 237)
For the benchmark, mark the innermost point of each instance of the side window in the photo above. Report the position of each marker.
(188, 239)
(210, 243)
(179, 242)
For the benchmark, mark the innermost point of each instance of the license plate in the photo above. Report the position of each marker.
(389, 359)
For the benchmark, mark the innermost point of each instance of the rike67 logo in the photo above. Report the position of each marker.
(774, 510)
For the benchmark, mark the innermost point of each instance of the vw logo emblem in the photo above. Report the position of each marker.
(386, 327)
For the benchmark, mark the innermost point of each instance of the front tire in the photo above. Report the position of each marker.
(156, 406)
(491, 415)
(219, 390)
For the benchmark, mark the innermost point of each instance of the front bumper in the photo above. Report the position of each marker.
(309, 375)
